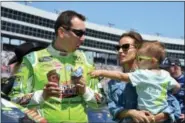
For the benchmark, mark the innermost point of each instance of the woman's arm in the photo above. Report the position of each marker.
(136, 115)
(161, 117)
(176, 88)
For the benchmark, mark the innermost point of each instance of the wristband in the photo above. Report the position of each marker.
(153, 119)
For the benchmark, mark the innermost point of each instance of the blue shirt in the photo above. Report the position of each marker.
(180, 95)
(122, 96)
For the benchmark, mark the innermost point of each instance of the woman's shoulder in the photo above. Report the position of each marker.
(116, 84)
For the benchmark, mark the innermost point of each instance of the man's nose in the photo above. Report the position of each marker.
(82, 38)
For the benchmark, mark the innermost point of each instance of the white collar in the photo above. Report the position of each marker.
(57, 53)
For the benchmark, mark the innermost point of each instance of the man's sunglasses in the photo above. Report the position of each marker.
(124, 47)
(77, 32)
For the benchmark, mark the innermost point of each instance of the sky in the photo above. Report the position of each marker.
(164, 18)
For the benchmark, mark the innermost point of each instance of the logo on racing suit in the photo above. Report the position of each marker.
(57, 65)
(68, 90)
(68, 67)
(45, 59)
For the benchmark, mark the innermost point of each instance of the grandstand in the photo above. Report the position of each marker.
(21, 23)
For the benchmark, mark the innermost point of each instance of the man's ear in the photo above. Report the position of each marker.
(61, 32)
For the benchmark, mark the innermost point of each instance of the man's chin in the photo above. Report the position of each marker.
(72, 50)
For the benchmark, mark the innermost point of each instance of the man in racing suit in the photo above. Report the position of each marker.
(65, 101)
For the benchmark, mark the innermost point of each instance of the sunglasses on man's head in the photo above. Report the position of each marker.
(77, 32)
(124, 47)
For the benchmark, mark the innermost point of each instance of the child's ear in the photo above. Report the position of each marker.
(154, 60)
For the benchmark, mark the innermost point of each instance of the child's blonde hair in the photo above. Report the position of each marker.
(154, 49)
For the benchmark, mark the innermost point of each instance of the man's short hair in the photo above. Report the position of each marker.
(170, 61)
(134, 35)
(64, 19)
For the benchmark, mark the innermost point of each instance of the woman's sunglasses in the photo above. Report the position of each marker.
(124, 47)
(77, 32)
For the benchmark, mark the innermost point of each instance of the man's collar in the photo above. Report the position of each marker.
(57, 53)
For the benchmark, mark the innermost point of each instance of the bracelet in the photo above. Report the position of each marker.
(153, 119)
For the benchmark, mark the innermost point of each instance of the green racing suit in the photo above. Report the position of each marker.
(32, 77)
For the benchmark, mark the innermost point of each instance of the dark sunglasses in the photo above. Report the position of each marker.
(124, 47)
(77, 32)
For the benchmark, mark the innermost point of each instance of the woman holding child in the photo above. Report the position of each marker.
(122, 97)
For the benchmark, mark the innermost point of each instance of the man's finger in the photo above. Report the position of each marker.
(80, 85)
(53, 88)
(82, 81)
(55, 95)
(51, 84)
(54, 91)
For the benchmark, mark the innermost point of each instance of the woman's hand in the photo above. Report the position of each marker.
(182, 117)
(136, 115)
(161, 117)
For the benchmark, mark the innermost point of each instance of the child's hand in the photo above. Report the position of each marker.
(95, 73)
